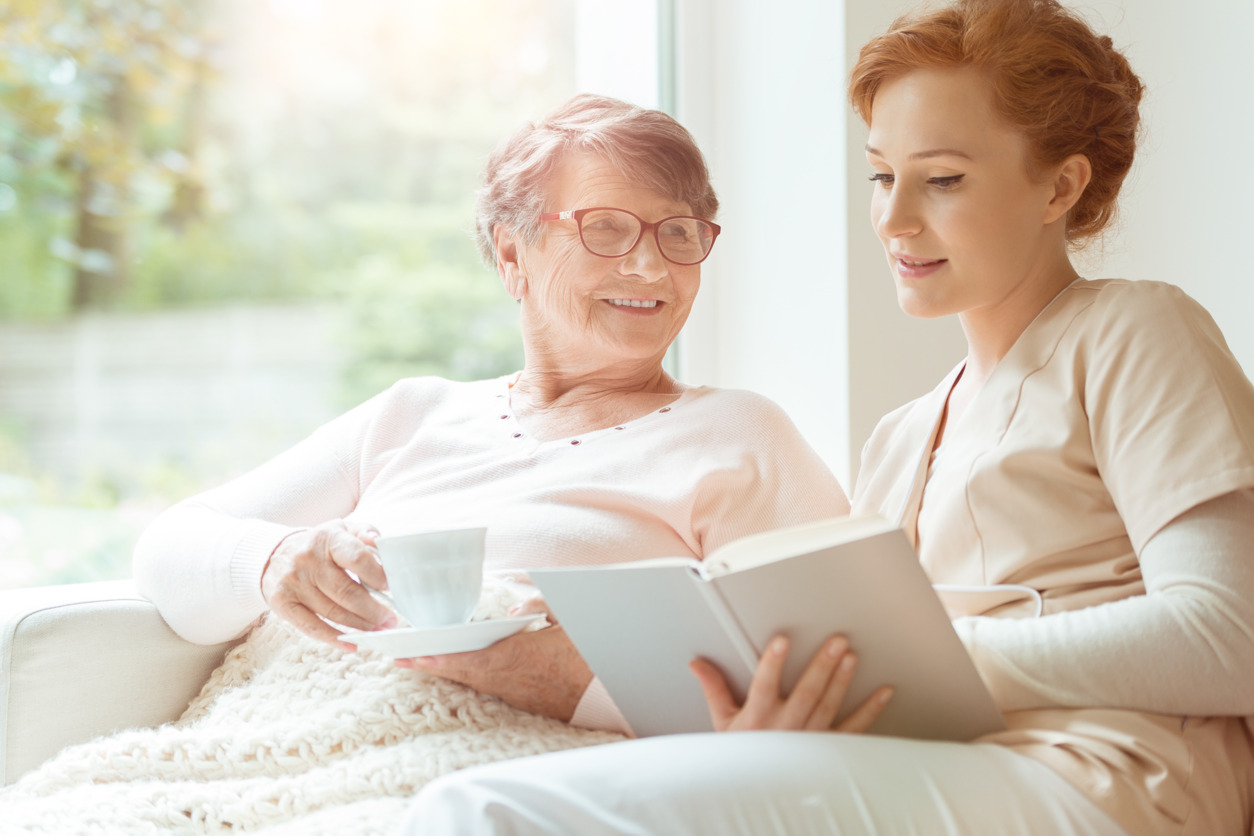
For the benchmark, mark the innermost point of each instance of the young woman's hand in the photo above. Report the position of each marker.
(813, 704)
(307, 583)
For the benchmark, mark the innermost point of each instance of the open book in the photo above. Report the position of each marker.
(639, 624)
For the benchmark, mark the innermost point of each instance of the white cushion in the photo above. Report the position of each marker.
(83, 660)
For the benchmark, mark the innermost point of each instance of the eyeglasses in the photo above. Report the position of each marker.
(612, 233)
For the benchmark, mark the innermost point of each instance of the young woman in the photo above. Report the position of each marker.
(1086, 476)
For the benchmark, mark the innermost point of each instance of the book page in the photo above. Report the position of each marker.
(769, 546)
(875, 593)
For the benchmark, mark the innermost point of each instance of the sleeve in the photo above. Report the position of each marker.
(1194, 624)
(1171, 412)
(201, 560)
(774, 478)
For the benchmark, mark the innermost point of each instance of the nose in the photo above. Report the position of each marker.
(646, 260)
(896, 213)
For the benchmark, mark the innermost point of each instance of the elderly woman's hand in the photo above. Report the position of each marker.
(306, 581)
(537, 670)
(811, 706)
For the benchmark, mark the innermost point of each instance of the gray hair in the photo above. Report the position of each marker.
(648, 146)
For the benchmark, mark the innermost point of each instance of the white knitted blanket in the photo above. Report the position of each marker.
(289, 736)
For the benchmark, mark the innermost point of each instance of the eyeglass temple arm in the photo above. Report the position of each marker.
(558, 216)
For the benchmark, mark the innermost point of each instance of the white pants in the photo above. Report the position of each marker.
(757, 783)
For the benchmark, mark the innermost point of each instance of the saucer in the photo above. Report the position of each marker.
(408, 642)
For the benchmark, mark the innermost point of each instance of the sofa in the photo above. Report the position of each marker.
(83, 660)
(277, 734)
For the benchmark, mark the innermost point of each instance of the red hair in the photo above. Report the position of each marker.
(1062, 86)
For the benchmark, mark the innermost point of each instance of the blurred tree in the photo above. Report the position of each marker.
(103, 93)
(159, 154)
(179, 152)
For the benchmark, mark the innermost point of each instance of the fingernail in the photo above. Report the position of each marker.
(848, 662)
(886, 695)
(779, 645)
(835, 647)
(388, 623)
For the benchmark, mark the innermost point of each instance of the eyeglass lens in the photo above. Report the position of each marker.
(613, 232)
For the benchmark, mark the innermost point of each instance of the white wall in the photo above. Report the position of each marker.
(616, 49)
(817, 327)
(895, 358)
(1188, 209)
(759, 85)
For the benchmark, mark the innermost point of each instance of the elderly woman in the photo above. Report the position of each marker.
(597, 219)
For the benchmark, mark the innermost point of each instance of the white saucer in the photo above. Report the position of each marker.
(408, 642)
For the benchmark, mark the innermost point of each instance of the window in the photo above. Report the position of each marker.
(223, 223)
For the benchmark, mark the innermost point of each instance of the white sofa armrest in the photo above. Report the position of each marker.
(83, 660)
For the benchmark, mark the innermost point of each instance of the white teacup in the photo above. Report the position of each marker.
(434, 577)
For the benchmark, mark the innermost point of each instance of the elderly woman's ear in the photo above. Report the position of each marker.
(508, 264)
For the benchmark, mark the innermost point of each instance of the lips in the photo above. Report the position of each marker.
(914, 267)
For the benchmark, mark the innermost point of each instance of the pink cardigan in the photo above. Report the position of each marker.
(431, 453)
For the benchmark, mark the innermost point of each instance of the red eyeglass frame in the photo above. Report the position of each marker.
(577, 216)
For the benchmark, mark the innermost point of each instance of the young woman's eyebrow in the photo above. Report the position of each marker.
(923, 155)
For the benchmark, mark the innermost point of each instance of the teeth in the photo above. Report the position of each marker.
(915, 263)
(634, 303)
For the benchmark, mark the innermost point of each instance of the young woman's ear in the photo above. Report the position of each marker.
(508, 262)
(1070, 180)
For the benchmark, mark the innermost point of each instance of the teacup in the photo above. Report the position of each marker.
(434, 577)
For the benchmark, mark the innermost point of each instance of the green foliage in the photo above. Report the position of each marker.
(431, 319)
(90, 92)
(418, 301)
(35, 285)
(227, 258)
(176, 153)
(80, 73)
(173, 152)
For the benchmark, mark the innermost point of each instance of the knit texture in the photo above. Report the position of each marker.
(288, 736)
